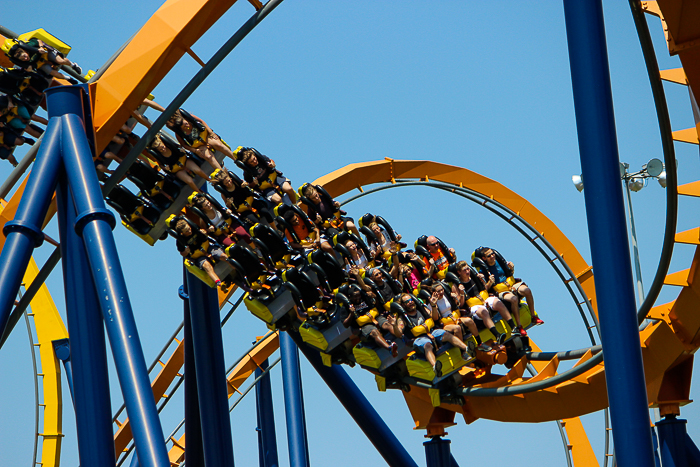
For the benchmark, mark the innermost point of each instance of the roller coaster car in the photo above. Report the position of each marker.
(450, 357)
(252, 273)
(271, 304)
(272, 245)
(333, 271)
(421, 247)
(498, 321)
(304, 286)
(26, 86)
(161, 189)
(332, 338)
(378, 359)
(137, 214)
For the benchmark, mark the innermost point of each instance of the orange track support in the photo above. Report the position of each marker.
(148, 57)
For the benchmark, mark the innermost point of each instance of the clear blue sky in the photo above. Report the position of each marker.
(323, 84)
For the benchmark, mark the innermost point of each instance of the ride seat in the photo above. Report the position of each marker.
(161, 189)
(131, 209)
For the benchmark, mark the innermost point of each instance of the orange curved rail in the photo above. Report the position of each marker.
(149, 56)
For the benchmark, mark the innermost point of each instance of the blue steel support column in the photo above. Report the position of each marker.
(359, 408)
(293, 403)
(266, 418)
(692, 452)
(194, 454)
(672, 442)
(61, 348)
(208, 348)
(437, 452)
(607, 230)
(87, 344)
(24, 233)
(95, 223)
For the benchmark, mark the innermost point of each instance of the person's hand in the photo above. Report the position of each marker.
(319, 219)
(454, 296)
(511, 266)
(460, 288)
(352, 308)
(336, 205)
(433, 299)
(431, 261)
(244, 185)
(211, 228)
(354, 270)
(186, 251)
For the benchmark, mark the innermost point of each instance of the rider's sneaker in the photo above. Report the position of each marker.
(438, 369)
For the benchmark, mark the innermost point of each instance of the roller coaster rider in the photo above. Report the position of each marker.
(386, 286)
(440, 256)
(220, 223)
(35, 55)
(261, 173)
(238, 197)
(510, 292)
(425, 339)
(8, 140)
(194, 245)
(303, 237)
(324, 210)
(471, 295)
(17, 116)
(446, 316)
(194, 134)
(364, 313)
(175, 160)
(356, 256)
(410, 271)
(27, 86)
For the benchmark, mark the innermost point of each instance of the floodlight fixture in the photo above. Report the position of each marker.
(578, 182)
(636, 183)
(661, 178)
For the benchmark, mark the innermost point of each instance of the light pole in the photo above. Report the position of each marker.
(634, 181)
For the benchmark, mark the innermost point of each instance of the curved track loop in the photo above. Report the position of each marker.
(666, 343)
